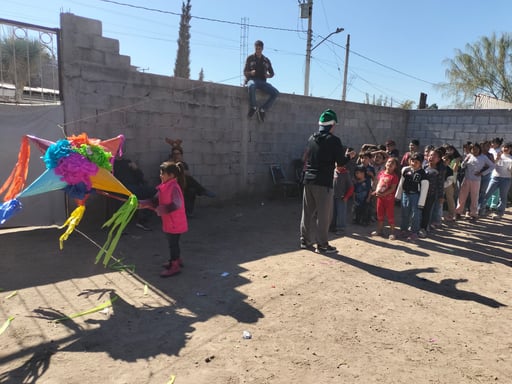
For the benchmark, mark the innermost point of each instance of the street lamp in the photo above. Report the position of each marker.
(308, 55)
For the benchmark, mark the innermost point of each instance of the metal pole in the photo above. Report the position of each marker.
(345, 72)
(308, 47)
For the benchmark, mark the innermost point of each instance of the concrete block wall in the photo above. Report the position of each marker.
(457, 127)
(104, 96)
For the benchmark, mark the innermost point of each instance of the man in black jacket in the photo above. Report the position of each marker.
(324, 151)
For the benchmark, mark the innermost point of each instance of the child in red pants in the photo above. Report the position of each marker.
(387, 181)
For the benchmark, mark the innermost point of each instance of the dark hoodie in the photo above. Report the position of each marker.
(324, 151)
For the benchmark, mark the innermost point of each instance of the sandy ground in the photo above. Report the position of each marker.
(379, 311)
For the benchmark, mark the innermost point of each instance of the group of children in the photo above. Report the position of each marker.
(425, 183)
(422, 182)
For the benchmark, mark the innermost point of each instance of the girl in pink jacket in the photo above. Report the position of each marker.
(171, 209)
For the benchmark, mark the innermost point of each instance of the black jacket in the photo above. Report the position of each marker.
(324, 151)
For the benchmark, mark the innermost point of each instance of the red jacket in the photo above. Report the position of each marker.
(169, 194)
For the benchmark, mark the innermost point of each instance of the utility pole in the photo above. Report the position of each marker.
(345, 72)
(307, 12)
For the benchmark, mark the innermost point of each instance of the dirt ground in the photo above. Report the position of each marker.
(379, 311)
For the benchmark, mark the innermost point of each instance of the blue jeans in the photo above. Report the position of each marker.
(484, 183)
(410, 213)
(253, 85)
(503, 184)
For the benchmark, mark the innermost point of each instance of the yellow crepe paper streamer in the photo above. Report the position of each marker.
(100, 307)
(12, 294)
(118, 223)
(6, 324)
(145, 289)
(171, 379)
(72, 221)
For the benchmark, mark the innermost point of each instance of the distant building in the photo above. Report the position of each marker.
(488, 102)
(7, 92)
(30, 94)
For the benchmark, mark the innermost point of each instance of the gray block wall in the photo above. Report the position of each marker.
(459, 126)
(230, 154)
(105, 96)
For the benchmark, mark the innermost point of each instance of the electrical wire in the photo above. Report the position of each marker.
(199, 17)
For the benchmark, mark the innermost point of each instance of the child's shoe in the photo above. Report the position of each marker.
(412, 237)
(174, 269)
(168, 264)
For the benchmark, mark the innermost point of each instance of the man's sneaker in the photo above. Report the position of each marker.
(326, 249)
(307, 246)
(252, 111)
(422, 234)
(261, 115)
(143, 227)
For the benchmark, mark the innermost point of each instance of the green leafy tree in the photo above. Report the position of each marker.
(182, 65)
(407, 104)
(483, 67)
(20, 61)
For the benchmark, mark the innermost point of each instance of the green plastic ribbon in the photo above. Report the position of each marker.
(100, 307)
(6, 324)
(118, 223)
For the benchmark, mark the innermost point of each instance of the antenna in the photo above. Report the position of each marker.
(244, 36)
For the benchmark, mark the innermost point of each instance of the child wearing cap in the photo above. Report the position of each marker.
(412, 192)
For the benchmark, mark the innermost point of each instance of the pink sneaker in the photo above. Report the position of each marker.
(173, 270)
(168, 264)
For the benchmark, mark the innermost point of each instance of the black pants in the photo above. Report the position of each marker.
(426, 216)
(173, 239)
(192, 189)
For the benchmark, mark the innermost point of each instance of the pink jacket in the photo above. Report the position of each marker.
(176, 220)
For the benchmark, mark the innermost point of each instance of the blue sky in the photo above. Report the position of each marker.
(398, 47)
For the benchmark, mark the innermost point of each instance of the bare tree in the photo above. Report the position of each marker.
(182, 65)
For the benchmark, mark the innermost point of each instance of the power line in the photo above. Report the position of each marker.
(237, 23)
(385, 66)
(270, 28)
